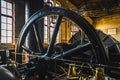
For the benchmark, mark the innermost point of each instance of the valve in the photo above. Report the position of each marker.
(99, 74)
(72, 74)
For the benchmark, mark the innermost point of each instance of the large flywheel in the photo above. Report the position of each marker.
(47, 55)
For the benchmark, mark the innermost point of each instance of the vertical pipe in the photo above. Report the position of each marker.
(26, 10)
(32, 6)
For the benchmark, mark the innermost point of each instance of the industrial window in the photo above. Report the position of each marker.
(49, 28)
(49, 23)
(6, 22)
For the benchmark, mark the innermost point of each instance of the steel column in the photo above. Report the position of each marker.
(32, 6)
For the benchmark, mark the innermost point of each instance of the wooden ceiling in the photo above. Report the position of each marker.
(92, 8)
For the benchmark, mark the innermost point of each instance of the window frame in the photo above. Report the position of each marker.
(7, 23)
(50, 26)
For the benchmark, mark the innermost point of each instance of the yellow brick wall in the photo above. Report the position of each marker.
(109, 22)
(65, 31)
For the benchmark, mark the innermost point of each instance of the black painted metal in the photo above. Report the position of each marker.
(32, 6)
(6, 74)
(69, 53)
(27, 49)
(97, 44)
(111, 43)
(2, 57)
(82, 37)
(39, 39)
(50, 47)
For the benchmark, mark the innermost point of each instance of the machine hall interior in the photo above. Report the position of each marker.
(60, 40)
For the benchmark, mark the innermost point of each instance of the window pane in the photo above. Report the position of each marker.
(9, 20)
(9, 12)
(51, 24)
(6, 22)
(3, 26)
(45, 28)
(9, 27)
(3, 18)
(3, 32)
(9, 33)
(45, 20)
(9, 39)
(3, 11)
(51, 29)
(45, 32)
(45, 0)
(3, 39)
(45, 36)
(3, 3)
(9, 5)
(57, 5)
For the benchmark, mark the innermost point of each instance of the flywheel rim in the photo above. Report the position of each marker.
(85, 26)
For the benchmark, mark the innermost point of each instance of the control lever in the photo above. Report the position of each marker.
(28, 50)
